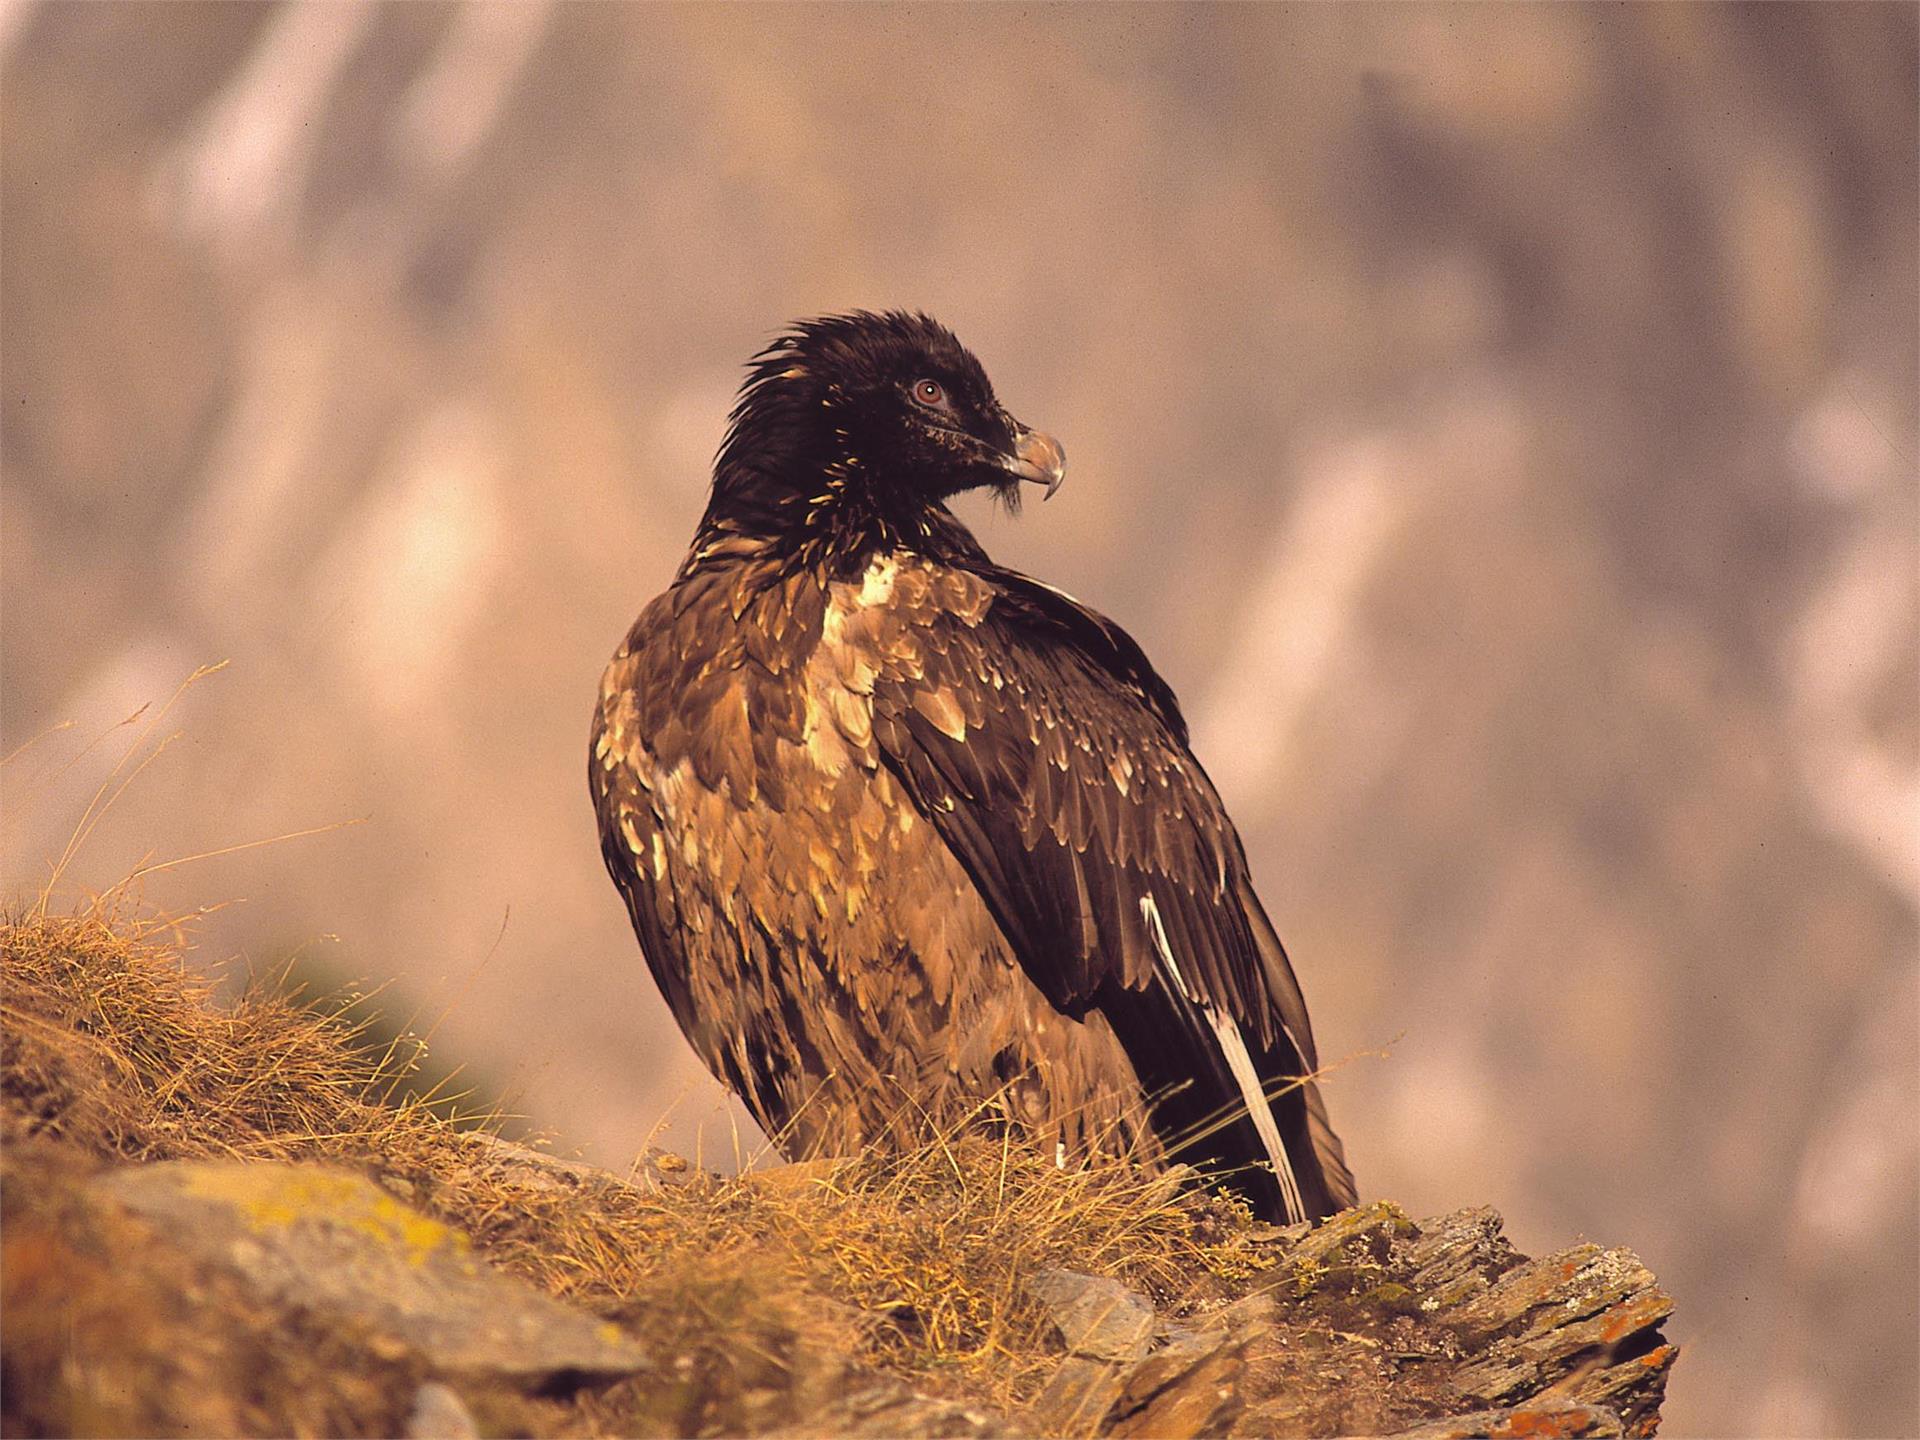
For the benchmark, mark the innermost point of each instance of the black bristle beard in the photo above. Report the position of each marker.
(1009, 493)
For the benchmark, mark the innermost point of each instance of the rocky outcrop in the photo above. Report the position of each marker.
(1367, 1324)
(1373, 1324)
(1370, 1323)
(216, 1223)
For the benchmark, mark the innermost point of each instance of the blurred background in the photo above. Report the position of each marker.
(1498, 423)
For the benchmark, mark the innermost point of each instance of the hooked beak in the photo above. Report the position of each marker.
(1038, 459)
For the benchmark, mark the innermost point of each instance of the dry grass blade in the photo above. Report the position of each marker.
(104, 797)
(33, 740)
(160, 867)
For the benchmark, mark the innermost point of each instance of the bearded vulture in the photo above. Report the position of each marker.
(910, 839)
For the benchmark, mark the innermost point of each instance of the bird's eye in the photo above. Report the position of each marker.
(932, 394)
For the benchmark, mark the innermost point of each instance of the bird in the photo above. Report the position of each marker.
(911, 839)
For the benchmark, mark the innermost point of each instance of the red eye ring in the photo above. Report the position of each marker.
(931, 394)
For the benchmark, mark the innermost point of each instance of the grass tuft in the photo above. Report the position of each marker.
(912, 1261)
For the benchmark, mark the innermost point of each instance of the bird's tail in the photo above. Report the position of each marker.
(1318, 1157)
(1328, 1150)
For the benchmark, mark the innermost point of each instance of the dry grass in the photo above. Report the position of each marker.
(911, 1262)
(113, 1044)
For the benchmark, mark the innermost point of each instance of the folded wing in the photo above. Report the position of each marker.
(1054, 762)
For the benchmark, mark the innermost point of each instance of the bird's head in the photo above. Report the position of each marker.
(871, 418)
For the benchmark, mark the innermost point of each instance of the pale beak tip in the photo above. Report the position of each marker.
(1039, 460)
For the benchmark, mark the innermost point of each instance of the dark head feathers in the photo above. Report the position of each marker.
(862, 350)
(851, 430)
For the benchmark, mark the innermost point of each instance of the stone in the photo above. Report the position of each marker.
(1455, 1255)
(1581, 1303)
(1078, 1396)
(1372, 1226)
(1193, 1397)
(440, 1414)
(885, 1409)
(1099, 1318)
(335, 1244)
(654, 1172)
(1521, 1422)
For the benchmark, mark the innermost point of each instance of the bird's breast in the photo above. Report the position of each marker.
(749, 737)
(878, 626)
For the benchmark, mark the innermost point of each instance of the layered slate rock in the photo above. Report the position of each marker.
(1372, 1324)
(1098, 1318)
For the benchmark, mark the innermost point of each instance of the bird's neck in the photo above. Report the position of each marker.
(831, 524)
(786, 484)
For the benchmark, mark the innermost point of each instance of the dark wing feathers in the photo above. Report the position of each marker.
(656, 918)
(1069, 795)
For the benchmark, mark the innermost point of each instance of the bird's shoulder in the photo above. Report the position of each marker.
(1053, 760)
(720, 616)
(962, 651)
(710, 662)
(936, 624)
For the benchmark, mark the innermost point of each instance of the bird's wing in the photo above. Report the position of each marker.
(630, 837)
(1053, 760)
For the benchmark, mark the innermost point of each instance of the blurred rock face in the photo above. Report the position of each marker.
(1497, 425)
